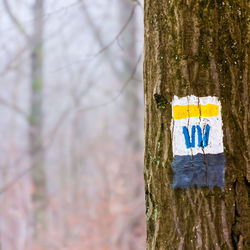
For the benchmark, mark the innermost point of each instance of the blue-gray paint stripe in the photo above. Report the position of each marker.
(200, 170)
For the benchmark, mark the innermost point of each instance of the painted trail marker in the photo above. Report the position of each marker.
(197, 142)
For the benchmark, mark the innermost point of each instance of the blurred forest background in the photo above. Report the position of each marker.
(71, 105)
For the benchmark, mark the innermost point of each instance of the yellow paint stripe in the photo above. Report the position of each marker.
(208, 110)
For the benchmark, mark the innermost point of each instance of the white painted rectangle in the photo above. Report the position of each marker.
(215, 139)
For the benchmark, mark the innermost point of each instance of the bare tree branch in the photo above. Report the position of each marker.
(64, 116)
(14, 107)
(119, 33)
(14, 181)
(113, 99)
(12, 60)
(137, 2)
(44, 16)
(15, 20)
(99, 39)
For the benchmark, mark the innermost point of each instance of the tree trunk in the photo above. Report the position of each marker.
(196, 48)
(36, 122)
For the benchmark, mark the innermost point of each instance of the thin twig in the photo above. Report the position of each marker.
(119, 33)
(14, 107)
(15, 20)
(113, 99)
(93, 56)
(44, 16)
(14, 181)
(63, 117)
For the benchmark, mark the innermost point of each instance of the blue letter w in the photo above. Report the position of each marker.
(189, 143)
(202, 140)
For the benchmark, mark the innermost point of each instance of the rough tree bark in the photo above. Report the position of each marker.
(38, 172)
(196, 48)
